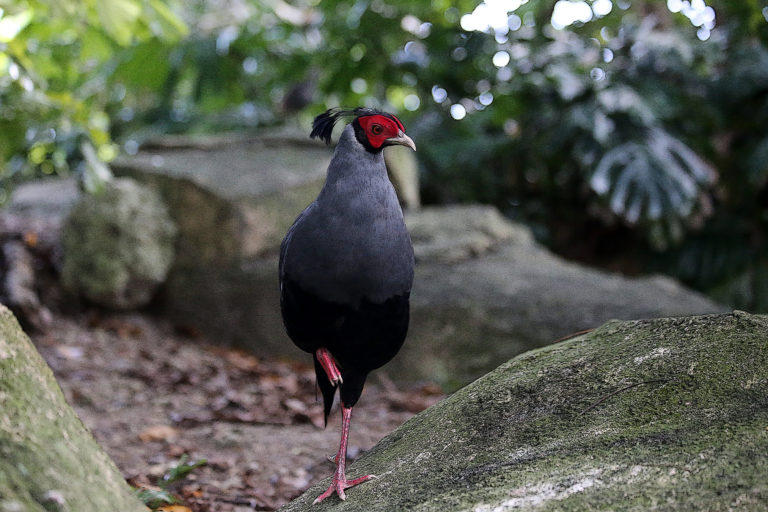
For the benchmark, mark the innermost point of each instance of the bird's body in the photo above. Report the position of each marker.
(346, 267)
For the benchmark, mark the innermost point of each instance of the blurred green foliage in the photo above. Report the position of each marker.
(56, 78)
(635, 137)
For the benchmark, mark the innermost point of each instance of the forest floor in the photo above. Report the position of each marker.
(159, 397)
(155, 397)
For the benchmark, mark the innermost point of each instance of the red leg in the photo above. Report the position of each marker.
(340, 481)
(329, 365)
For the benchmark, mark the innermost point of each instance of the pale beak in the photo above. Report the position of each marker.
(402, 140)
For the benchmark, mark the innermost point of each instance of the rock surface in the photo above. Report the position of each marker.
(484, 290)
(403, 168)
(48, 200)
(456, 233)
(233, 197)
(48, 460)
(499, 294)
(118, 245)
(471, 315)
(665, 414)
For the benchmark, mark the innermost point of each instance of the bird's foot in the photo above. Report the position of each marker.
(339, 484)
(328, 363)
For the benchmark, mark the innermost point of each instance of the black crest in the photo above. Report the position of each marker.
(322, 126)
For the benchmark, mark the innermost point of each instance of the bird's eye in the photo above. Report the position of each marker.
(376, 129)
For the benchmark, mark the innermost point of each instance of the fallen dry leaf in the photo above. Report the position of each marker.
(175, 508)
(70, 352)
(242, 361)
(30, 238)
(158, 433)
(217, 403)
(295, 405)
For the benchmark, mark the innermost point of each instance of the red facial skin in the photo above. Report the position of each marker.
(380, 128)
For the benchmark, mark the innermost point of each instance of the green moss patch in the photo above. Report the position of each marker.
(48, 460)
(668, 414)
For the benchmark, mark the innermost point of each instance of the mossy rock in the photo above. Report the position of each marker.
(118, 245)
(665, 414)
(48, 460)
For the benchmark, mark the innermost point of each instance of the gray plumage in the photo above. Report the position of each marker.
(351, 243)
(346, 268)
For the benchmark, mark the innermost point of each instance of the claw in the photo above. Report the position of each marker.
(340, 482)
(326, 360)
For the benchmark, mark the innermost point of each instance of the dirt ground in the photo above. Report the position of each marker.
(154, 394)
(151, 395)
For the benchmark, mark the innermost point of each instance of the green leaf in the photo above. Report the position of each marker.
(95, 45)
(172, 27)
(119, 18)
(11, 25)
(145, 66)
(660, 177)
(97, 174)
(181, 470)
(154, 498)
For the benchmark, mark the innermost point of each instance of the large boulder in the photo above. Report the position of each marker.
(232, 196)
(665, 414)
(118, 245)
(48, 460)
(484, 290)
(490, 292)
(235, 195)
(457, 233)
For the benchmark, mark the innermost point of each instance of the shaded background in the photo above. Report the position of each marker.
(631, 135)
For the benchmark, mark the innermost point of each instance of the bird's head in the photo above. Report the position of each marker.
(374, 129)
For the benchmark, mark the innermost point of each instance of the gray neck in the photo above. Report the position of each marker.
(351, 243)
(352, 160)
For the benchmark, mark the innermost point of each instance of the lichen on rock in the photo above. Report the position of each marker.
(664, 414)
(118, 245)
(48, 460)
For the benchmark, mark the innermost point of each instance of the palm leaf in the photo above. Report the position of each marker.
(657, 178)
